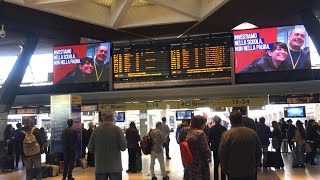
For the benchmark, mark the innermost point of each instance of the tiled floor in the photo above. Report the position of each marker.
(175, 170)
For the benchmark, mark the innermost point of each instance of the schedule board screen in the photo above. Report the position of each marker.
(183, 62)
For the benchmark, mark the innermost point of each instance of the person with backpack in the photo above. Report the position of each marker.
(69, 139)
(158, 138)
(184, 131)
(198, 145)
(215, 134)
(31, 145)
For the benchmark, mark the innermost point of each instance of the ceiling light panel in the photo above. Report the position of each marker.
(103, 2)
(137, 3)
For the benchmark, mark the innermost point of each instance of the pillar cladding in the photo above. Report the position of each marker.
(64, 107)
(11, 86)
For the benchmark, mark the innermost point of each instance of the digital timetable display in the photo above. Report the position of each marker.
(183, 62)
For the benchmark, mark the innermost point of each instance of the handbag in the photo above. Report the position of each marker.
(307, 148)
(275, 143)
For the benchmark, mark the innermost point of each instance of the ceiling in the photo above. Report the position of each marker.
(63, 22)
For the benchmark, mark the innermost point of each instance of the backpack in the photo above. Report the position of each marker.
(146, 144)
(30, 145)
(186, 155)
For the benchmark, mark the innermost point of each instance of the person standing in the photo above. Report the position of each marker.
(290, 133)
(264, 133)
(44, 138)
(239, 150)
(107, 141)
(90, 157)
(198, 145)
(158, 138)
(215, 134)
(277, 138)
(84, 141)
(133, 138)
(299, 154)
(69, 139)
(31, 149)
(312, 139)
(166, 130)
(16, 144)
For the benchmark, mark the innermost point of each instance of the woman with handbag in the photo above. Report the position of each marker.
(298, 156)
(276, 144)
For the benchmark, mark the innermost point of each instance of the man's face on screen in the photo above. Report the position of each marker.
(296, 38)
(101, 53)
(86, 68)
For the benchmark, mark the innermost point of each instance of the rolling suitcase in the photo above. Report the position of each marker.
(274, 159)
(284, 146)
(7, 163)
(52, 170)
(139, 163)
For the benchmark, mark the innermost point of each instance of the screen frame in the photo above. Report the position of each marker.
(117, 114)
(192, 114)
(285, 109)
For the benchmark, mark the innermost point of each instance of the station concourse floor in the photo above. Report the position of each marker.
(175, 170)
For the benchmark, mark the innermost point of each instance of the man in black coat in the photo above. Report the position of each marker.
(264, 133)
(215, 133)
(69, 139)
(290, 133)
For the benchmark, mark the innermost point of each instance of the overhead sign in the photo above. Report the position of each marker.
(237, 102)
(187, 104)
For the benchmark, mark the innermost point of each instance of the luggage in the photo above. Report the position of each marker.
(83, 163)
(146, 144)
(7, 163)
(284, 146)
(139, 163)
(90, 159)
(52, 170)
(274, 159)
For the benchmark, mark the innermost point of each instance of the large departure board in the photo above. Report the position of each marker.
(188, 61)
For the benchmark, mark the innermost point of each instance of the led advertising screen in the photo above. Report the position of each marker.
(81, 63)
(274, 49)
(184, 114)
(293, 112)
(120, 117)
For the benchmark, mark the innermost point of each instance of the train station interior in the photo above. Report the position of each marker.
(145, 60)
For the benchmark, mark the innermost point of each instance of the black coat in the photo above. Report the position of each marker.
(215, 134)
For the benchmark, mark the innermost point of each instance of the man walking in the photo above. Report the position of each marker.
(107, 141)
(239, 150)
(69, 139)
(158, 138)
(215, 134)
(30, 145)
(165, 129)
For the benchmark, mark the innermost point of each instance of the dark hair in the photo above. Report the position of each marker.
(198, 121)
(70, 122)
(235, 117)
(132, 125)
(85, 60)
(275, 125)
(300, 128)
(262, 120)
(275, 45)
(164, 119)
(8, 129)
(18, 125)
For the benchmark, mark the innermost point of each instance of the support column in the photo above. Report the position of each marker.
(64, 107)
(143, 123)
(11, 86)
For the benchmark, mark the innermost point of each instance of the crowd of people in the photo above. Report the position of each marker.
(238, 150)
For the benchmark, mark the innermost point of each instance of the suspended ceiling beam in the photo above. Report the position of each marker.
(118, 10)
